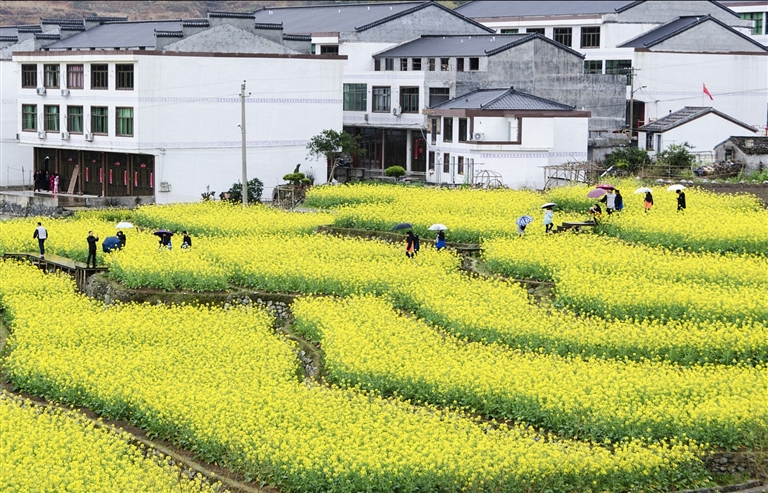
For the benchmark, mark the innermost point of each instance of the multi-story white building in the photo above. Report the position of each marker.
(153, 109)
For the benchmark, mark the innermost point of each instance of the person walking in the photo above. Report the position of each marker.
(609, 200)
(440, 243)
(618, 201)
(121, 236)
(680, 200)
(92, 241)
(648, 202)
(409, 244)
(549, 215)
(41, 234)
(186, 240)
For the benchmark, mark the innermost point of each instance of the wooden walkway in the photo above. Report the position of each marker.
(56, 263)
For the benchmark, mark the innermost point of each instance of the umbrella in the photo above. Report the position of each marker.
(398, 226)
(672, 188)
(163, 232)
(438, 227)
(548, 205)
(643, 190)
(605, 186)
(597, 193)
(111, 243)
(524, 220)
(124, 224)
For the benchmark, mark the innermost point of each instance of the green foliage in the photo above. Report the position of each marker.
(629, 159)
(396, 171)
(296, 178)
(333, 145)
(255, 187)
(676, 156)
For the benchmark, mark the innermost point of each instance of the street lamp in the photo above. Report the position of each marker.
(632, 111)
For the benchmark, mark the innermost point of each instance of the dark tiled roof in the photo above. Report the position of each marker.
(522, 8)
(474, 45)
(685, 115)
(118, 35)
(749, 145)
(502, 99)
(231, 15)
(678, 26)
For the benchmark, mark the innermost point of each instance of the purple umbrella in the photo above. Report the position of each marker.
(605, 186)
(596, 193)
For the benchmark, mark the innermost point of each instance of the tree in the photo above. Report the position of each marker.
(629, 159)
(396, 171)
(255, 187)
(677, 157)
(334, 146)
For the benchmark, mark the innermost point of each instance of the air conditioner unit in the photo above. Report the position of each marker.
(65, 92)
(64, 135)
(478, 136)
(40, 134)
(89, 137)
(396, 111)
(41, 91)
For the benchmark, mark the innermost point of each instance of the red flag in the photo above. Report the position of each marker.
(706, 91)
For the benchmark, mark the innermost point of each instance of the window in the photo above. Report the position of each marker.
(460, 65)
(75, 119)
(438, 94)
(99, 120)
(474, 64)
(460, 165)
(535, 30)
(29, 76)
(619, 67)
(99, 76)
(509, 31)
(590, 37)
(51, 75)
(434, 127)
(382, 99)
(329, 49)
(446, 163)
(447, 129)
(29, 117)
(409, 99)
(431, 162)
(514, 130)
(124, 125)
(355, 97)
(377, 65)
(51, 118)
(563, 35)
(124, 76)
(431, 64)
(463, 130)
(403, 64)
(389, 64)
(445, 64)
(416, 64)
(757, 28)
(593, 66)
(75, 76)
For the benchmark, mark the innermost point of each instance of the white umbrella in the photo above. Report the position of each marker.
(124, 224)
(643, 190)
(548, 205)
(672, 188)
(438, 227)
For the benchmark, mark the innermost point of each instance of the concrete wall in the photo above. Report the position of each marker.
(751, 162)
(710, 37)
(15, 161)
(227, 39)
(702, 133)
(662, 11)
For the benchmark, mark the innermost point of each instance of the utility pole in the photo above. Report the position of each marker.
(631, 75)
(242, 138)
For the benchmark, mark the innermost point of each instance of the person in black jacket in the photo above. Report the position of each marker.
(680, 200)
(121, 236)
(92, 240)
(186, 240)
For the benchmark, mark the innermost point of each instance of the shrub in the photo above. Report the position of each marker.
(395, 171)
(255, 187)
(628, 159)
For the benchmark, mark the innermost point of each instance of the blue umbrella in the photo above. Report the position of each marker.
(111, 243)
(524, 220)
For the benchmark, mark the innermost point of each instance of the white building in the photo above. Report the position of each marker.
(152, 110)
(502, 137)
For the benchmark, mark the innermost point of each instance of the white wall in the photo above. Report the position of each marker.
(394, 80)
(15, 160)
(361, 55)
(702, 133)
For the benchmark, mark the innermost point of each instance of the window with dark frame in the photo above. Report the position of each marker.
(757, 17)
(100, 119)
(463, 130)
(535, 30)
(403, 64)
(434, 122)
(460, 165)
(124, 76)
(431, 162)
(51, 76)
(355, 97)
(619, 67)
(124, 122)
(75, 119)
(51, 118)
(590, 37)
(99, 76)
(329, 49)
(431, 64)
(389, 64)
(29, 117)
(29, 76)
(75, 75)
(563, 35)
(474, 64)
(593, 66)
(509, 31)
(438, 95)
(416, 64)
(445, 64)
(446, 163)
(409, 99)
(447, 129)
(377, 65)
(382, 100)
(460, 64)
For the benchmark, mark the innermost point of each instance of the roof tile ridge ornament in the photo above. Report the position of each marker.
(232, 15)
(47, 36)
(59, 22)
(96, 18)
(195, 23)
(168, 34)
(277, 26)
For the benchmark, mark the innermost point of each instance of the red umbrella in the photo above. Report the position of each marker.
(597, 193)
(605, 186)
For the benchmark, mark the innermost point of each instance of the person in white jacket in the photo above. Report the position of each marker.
(41, 234)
